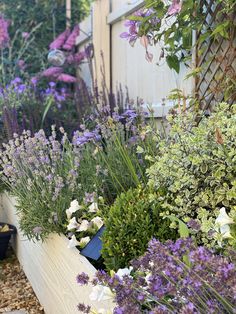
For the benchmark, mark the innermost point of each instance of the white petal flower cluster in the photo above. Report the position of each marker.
(83, 225)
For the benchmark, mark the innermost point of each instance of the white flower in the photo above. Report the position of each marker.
(84, 241)
(74, 207)
(73, 224)
(93, 207)
(124, 272)
(73, 242)
(97, 221)
(101, 293)
(225, 231)
(223, 219)
(84, 226)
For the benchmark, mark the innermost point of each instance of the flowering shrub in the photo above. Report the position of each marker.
(131, 222)
(43, 175)
(160, 282)
(46, 174)
(25, 106)
(194, 171)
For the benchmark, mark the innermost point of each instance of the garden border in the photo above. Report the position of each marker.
(51, 267)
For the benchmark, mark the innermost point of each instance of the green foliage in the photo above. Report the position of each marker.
(195, 170)
(131, 222)
(47, 18)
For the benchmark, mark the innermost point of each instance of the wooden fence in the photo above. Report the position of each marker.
(126, 66)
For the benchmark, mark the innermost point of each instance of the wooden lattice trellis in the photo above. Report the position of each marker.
(217, 58)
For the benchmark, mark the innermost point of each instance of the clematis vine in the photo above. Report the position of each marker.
(174, 8)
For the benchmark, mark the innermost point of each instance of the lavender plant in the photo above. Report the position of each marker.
(46, 174)
(42, 173)
(160, 282)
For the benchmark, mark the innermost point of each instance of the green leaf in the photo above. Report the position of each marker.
(183, 229)
(173, 62)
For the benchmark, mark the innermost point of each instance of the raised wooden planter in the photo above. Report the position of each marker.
(51, 268)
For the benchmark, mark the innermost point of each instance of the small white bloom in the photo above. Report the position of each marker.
(74, 207)
(97, 221)
(101, 293)
(124, 272)
(225, 231)
(84, 241)
(84, 226)
(93, 207)
(223, 219)
(73, 224)
(73, 242)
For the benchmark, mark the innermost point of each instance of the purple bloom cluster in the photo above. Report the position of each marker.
(175, 277)
(4, 36)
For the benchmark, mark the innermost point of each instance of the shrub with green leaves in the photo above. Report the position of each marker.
(133, 220)
(195, 171)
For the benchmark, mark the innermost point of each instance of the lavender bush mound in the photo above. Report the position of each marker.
(161, 282)
(42, 173)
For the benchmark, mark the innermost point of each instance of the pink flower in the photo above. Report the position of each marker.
(175, 7)
(70, 42)
(66, 78)
(21, 64)
(60, 40)
(25, 35)
(4, 36)
(52, 72)
(79, 56)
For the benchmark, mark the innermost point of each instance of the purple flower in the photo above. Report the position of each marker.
(66, 78)
(70, 42)
(4, 36)
(175, 7)
(60, 40)
(52, 72)
(82, 279)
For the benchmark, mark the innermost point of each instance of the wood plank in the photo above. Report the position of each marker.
(52, 268)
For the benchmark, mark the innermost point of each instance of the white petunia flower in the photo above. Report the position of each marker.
(73, 224)
(93, 208)
(74, 207)
(84, 226)
(225, 231)
(223, 218)
(84, 241)
(73, 242)
(124, 272)
(97, 221)
(101, 293)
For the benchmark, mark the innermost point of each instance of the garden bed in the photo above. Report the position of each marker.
(51, 267)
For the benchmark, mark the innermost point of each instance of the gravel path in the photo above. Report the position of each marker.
(15, 290)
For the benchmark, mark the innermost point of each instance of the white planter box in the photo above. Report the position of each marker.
(51, 268)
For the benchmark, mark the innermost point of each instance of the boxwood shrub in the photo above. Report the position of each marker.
(132, 221)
